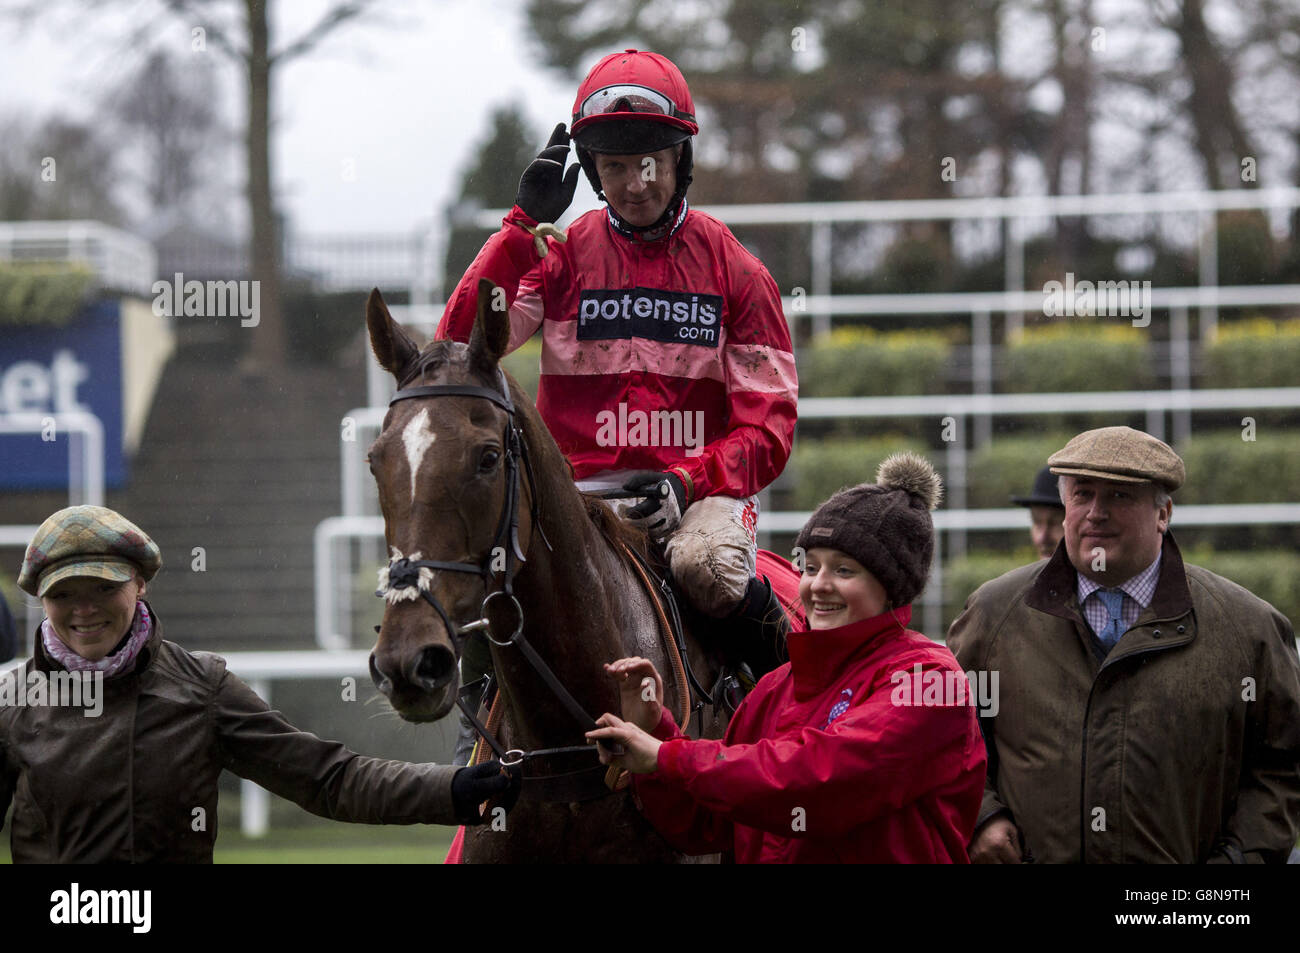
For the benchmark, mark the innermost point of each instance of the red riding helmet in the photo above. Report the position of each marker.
(635, 103)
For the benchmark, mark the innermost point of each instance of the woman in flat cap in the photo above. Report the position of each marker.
(864, 747)
(112, 738)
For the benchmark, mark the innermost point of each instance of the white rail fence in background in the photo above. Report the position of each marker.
(85, 471)
(120, 261)
(981, 306)
(335, 570)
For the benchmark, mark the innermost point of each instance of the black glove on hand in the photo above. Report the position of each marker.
(544, 193)
(471, 786)
(665, 500)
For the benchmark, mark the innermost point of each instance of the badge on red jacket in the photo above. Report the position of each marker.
(839, 708)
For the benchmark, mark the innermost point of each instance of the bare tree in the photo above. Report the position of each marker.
(1219, 135)
(249, 45)
(170, 110)
(57, 169)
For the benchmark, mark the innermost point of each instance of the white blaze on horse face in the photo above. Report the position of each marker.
(417, 438)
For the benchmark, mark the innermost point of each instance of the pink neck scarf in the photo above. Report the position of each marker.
(111, 665)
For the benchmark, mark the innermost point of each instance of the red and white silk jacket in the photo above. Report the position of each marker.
(672, 354)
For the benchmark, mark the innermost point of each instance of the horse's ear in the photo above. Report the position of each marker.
(393, 347)
(491, 334)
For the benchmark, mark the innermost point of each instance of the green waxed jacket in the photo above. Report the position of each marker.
(138, 783)
(1181, 746)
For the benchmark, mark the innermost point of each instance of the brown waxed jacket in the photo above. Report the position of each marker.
(123, 787)
(1185, 738)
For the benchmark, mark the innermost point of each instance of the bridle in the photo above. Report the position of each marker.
(404, 572)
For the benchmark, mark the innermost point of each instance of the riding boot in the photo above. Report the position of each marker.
(475, 662)
(756, 630)
(465, 739)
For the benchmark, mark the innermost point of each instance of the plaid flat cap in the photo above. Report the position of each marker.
(1121, 454)
(87, 541)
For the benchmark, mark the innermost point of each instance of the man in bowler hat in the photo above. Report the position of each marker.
(1046, 513)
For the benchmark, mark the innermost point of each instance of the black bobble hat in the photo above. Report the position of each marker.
(886, 525)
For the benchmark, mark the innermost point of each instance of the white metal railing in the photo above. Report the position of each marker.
(1155, 404)
(1017, 211)
(85, 471)
(120, 261)
(416, 258)
(334, 578)
(85, 454)
(334, 572)
(258, 669)
(980, 305)
(334, 575)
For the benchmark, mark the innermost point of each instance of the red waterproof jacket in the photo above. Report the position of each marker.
(832, 758)
(669, 354)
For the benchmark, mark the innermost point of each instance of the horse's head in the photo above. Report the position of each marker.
(441, 466)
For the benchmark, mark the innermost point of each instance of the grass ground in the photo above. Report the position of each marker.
(334, 843)
(304, 839)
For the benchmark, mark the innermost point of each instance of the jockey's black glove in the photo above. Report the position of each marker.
(471, 786)
(545, 189)
(665, 500)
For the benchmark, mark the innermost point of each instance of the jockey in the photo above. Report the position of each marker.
(667, 366)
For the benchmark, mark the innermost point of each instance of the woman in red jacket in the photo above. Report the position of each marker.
(864, 747)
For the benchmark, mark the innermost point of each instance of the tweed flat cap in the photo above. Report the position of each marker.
(1121, 454)
(87, 541)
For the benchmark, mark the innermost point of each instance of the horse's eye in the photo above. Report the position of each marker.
(488, 460)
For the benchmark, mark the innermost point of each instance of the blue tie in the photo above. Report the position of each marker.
(1114, 602)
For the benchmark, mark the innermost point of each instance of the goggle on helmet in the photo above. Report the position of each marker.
(634, 103)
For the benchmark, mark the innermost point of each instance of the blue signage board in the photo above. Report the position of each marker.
(54, 370)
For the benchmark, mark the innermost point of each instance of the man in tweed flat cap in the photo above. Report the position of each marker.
(1150, 710)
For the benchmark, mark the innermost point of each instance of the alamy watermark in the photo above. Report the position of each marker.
(943, 687)
(54, 690)
(655, 428)
(209, 299)
(1102, 299)
(133, 908)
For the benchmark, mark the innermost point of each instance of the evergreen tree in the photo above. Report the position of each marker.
(490, 181)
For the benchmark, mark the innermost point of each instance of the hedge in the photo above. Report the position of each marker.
(1254, 353)
(862, 362)
(1224, 468)
(1082, 356)
(964, 575)
(818, 468)
(42, 293)
(1269, 574)
(1007, 466)
(524, 365)
(1221, 467)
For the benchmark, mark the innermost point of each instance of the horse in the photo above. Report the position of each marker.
(483, 522)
